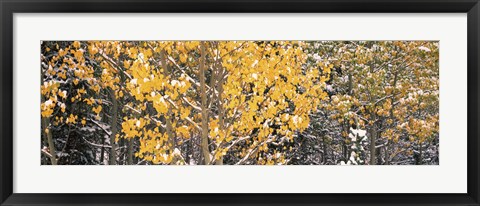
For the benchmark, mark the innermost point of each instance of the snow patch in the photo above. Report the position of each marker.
(424, 49)
(359, 132)
(133, 81)
(48, 102)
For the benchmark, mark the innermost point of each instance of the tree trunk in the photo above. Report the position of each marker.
(420, 158)
(113, 154)
(387, 154)
(130, 152)
(344, 143)
(51, 145)
(373, 138)
(102, 151)
(171, 140)
(46, 125)
(221, 111)
(324, 144)
(169, 128)
(203, 93)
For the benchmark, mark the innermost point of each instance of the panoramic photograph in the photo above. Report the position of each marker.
(239, 102)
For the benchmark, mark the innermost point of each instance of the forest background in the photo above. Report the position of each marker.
(240, 102)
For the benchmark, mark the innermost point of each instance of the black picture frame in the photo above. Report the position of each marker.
(9, 7)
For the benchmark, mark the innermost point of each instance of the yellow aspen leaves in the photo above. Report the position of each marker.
(97, 109)
(76, 44)
(72, 119)
(47, 108)
(244, 102)
(183, 131)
